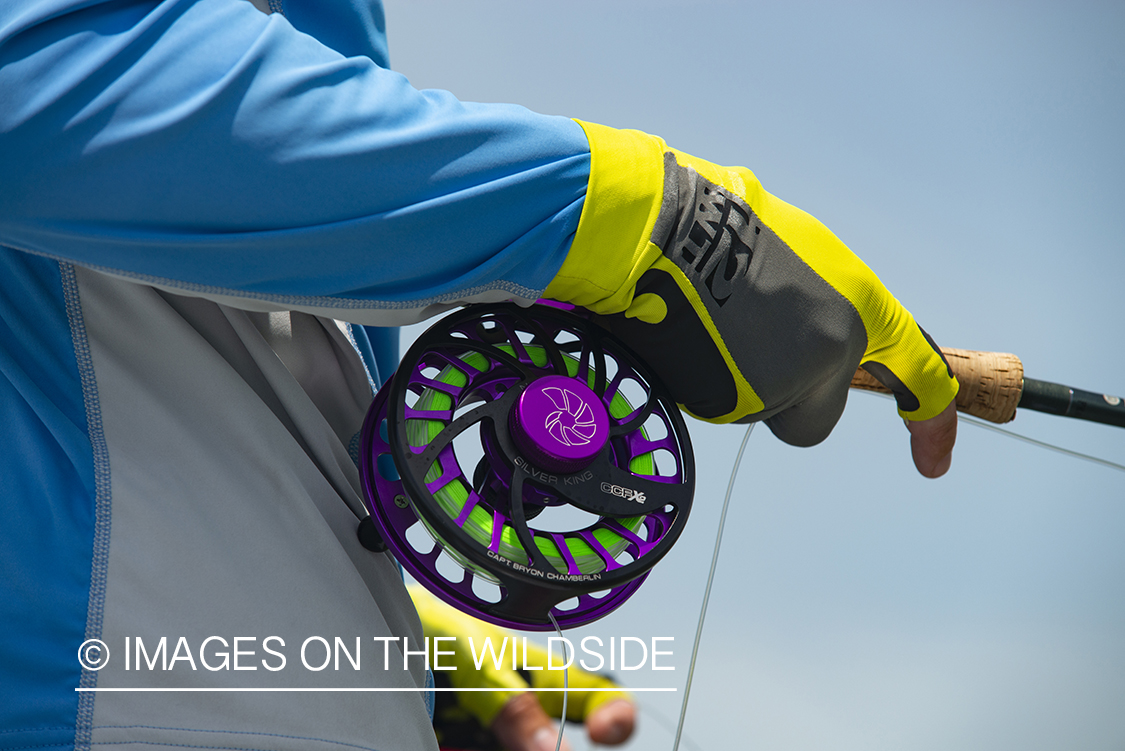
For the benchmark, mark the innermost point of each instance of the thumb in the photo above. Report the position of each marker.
(522, 725)
(931, 442)
(612, 723)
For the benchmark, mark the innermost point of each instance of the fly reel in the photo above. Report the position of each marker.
(522, 462)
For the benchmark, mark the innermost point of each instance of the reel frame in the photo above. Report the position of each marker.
(400, 486)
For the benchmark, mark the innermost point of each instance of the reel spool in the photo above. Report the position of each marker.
(523, 461)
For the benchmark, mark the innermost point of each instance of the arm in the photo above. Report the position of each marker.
(209, 148)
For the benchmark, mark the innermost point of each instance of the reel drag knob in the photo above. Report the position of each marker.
(559, 424)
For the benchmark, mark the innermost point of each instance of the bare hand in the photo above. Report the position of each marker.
(522, 725)
(931, 442)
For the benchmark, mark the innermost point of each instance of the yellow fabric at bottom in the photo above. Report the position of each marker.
(441, 620)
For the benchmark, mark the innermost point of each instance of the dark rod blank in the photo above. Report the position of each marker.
(1056, 399)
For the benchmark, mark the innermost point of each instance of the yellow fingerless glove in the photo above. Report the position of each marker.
(746, 307)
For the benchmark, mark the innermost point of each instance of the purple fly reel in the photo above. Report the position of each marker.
(522, 462)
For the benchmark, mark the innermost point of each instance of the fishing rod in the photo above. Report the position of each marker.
(993, 387)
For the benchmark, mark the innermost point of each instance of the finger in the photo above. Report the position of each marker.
(809, 422)
(931, 442)
(522, 725)
(612, 723)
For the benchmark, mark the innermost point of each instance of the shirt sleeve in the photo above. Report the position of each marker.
(206, 147)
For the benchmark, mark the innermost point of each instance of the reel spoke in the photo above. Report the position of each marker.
(489, 351)
(593, 346)
(560, 543)
(423, 456)
(430, 383)
(519, 521)
(470, 504)
(607, 557)
(636, 419)
(539, 338)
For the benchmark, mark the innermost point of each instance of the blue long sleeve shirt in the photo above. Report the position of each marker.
(193, 196)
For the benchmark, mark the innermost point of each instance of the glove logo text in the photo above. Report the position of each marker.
(714, 238)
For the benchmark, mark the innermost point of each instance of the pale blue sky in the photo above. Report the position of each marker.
(972, 154)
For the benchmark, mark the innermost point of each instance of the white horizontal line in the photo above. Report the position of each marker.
(534, 690)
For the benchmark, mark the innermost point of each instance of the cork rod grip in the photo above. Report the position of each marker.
(991, 382)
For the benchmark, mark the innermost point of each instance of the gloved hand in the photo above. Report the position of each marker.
(511, 717)
(746, 307)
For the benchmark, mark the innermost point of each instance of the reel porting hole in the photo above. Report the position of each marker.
(486, 590)
(420, 539)
(655, 428)
(563, 518)
(664, 463)
(527, 442)
(450, 569)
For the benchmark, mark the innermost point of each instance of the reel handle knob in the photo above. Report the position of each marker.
(369, 536)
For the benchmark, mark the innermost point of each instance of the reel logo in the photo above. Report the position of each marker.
(627, 493)
(572, 423)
